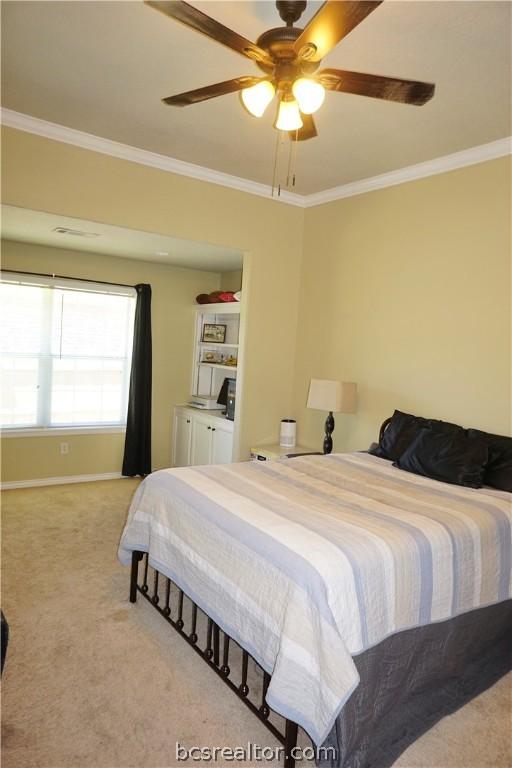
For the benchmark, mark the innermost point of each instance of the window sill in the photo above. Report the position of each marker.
(61, 431)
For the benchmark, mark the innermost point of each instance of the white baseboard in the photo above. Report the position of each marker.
(59, 480)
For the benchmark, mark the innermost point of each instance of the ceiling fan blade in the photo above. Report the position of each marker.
(211, 91)
(199, 21)
(376, 86)
(308, 130)
(334, 20)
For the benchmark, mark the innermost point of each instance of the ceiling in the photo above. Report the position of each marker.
(103, 67)
(36, 227)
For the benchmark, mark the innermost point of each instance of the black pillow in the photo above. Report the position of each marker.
(498, 472)
(403, 429)
(452, 457)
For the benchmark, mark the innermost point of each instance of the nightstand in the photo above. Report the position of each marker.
(273, 452)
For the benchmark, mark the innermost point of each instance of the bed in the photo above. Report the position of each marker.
(375, 601)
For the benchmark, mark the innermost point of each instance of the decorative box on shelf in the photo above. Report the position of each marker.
(274, 452)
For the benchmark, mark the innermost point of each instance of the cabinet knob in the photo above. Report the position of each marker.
(209, 427)
(188, 421)
(213, 429)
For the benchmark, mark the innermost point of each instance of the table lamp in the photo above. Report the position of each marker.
(332, 396)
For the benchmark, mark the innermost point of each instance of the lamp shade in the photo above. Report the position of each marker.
(335, 396)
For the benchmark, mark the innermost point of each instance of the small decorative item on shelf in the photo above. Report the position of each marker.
(218, 297)
(231, 360)
(214, 333)
(227, 296)
(212, 357)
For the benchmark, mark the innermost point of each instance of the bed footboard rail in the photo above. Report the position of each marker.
(180, 611)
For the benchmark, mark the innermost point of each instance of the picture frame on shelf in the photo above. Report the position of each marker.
(214, 333)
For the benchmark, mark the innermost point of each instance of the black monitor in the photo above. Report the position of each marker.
(223, 394)
(227, 398)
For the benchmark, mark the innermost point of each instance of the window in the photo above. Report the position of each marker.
(66, 352)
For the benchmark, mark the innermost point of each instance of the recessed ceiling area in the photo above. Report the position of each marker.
(39, 228)
(103, 68)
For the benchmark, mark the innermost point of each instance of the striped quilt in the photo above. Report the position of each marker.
(307, 562)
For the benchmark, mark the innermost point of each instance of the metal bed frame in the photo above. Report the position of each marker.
(211, 652)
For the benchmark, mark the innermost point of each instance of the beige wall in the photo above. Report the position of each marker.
(51, 176)
(407, 291)
(173, 293)
(231, 281)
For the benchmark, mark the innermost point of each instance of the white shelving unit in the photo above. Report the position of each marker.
(208, 376)
(200, 436)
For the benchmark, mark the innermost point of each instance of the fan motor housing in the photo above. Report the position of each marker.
(279, 41)
(279, 44)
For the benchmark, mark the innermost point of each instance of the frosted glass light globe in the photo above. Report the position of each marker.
(309, 94)
(288, 118)
(257, 98)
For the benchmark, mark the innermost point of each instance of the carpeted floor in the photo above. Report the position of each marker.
(94, 682)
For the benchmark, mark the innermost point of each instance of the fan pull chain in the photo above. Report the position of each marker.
(290, 154)
(291, 165)
(281, 147)
(294, 162)
(276, 164)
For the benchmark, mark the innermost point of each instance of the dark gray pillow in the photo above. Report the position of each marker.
(403, 429)
(498, 472)
(451, 457)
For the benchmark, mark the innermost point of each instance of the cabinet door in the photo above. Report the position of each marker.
(222, 445)
(201, 441)
(182, 438)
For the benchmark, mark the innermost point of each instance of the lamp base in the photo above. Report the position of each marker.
(329, 429)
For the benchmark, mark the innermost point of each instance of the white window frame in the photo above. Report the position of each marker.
(82, 286)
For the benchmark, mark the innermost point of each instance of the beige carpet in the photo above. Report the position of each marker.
(94, 682)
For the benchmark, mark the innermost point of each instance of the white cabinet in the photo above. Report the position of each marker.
(201, 438)
(182, 438)
(222, 444)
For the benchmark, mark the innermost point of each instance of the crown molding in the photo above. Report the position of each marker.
(466, 157)
(471, 156)
(48, 130)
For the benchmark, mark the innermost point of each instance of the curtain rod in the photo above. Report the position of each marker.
(63, 277)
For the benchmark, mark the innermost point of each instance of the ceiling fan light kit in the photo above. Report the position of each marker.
(257, 98)
(290, 57)
(309, 94)
(288, 115)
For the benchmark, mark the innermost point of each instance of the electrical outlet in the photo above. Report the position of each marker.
(64, 447)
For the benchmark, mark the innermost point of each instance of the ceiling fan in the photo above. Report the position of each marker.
(290, 57)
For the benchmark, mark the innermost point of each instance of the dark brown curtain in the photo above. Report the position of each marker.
(137, 446)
